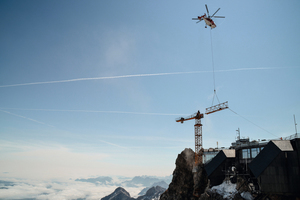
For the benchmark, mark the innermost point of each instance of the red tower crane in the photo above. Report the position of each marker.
(198, 128)
(198, 134)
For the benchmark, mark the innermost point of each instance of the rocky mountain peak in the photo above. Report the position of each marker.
(152, 194)
(119, 194)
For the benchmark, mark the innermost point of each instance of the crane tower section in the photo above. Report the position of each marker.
(198, 134)
(198, 142)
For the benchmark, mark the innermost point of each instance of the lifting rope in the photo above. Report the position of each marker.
(212, 60)
(215, 94)
(225, 104)
(214, 79)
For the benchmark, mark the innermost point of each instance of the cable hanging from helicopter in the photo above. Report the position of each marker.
(221, 106)
(209, 22)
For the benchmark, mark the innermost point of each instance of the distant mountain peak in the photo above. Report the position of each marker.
(97, 180)
(119, 194)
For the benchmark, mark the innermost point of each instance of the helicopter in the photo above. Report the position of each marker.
(208, 19)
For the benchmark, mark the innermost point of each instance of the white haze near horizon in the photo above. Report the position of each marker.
(48, 171)
(65, 189)
(17, 188)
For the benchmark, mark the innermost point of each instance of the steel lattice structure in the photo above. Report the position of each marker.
(198, 134)
(198, 141)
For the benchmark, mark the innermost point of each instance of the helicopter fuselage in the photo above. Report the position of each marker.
(208, 21)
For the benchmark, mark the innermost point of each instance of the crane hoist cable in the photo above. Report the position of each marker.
(212, 60)
(213, 67)
(224, 105)
(220, 106)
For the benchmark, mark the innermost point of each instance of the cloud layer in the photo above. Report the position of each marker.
(22, 189)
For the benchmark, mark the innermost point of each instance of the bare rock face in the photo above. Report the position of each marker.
(182, 185)
(200, 180)
(152, 194)
(118, 194)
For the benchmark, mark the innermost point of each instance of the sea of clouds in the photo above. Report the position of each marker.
(79, 189)
(70, 189)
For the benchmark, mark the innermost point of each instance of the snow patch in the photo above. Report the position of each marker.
(247, 195)
(227, 190)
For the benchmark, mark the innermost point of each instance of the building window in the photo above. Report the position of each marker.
(246, 153)
(254, 152)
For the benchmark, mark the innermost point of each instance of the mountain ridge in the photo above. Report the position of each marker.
(121, 194)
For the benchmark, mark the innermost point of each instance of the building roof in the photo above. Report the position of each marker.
(268, 154)
(229, 153)
(283, 145)
(218, 160)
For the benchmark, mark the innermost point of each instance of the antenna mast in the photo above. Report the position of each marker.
(238, 134)
(295, 124)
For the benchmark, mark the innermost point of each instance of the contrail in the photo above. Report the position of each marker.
(248, 69)
(96, 111)
(102, 78)
(135, 75)
(26, 118)
(113, 144)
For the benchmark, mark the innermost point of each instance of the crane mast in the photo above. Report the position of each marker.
(198, 141)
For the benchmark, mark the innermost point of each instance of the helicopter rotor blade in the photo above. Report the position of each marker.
(195, 19)
(215, 12)
(207, 10)
(219, 17)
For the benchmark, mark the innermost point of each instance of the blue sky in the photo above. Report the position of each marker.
(118, 124)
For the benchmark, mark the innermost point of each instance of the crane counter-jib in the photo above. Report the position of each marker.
(196, 115)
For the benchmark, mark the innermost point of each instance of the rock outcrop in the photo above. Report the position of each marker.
(191, 183)
(186, 184)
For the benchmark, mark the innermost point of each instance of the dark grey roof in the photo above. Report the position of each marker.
(218, 160)
(268, 154)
